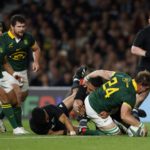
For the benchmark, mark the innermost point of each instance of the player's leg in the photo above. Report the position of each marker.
(106, 125)
(17, 96)
(7, 109)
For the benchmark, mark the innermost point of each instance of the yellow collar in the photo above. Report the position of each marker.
(134, 84)
(11, 35)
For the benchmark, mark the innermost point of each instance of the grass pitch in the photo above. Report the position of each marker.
(35, 142)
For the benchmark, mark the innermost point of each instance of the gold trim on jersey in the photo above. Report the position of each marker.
(127, 104)
(113, 73)
(134, 84)
(11, 35)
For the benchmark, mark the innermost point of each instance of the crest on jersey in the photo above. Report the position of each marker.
(19, 55)
(25, 42)
(10, 45)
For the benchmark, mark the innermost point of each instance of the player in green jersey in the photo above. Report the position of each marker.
(7, 93)
(119, 92)
(17, 44)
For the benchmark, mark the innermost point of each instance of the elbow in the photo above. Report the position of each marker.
(123, 117)
(133, 50)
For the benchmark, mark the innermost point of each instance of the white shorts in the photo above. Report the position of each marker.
(92, 114)
(11, 80)
(5, 86)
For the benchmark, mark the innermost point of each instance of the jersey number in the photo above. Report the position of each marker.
(107, 87)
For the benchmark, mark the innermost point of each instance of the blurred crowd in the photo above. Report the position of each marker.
(96, 33)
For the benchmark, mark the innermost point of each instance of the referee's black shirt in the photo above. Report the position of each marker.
(142, 40)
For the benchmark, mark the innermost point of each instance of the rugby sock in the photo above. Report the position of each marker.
(9, 113)
(2, 115)
(18, 115)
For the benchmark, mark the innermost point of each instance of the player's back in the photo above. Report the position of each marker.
(120, 88)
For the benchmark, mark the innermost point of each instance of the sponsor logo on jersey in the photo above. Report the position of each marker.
(19, 55)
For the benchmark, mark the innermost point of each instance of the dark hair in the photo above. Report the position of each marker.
(97, 81)
(38, 116)
(17, 18)
(143, 77)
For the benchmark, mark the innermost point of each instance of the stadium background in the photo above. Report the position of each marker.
(98, 33)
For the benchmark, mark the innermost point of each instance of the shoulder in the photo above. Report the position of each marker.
(28, 35)
(121, 75)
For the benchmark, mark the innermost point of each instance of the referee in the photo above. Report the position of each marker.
(141, 47)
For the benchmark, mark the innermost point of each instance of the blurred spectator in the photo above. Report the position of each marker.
(97, 33)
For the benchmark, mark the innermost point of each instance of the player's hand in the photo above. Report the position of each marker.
(19, 78)
(137, 131)
(72, 133)
(35, 66)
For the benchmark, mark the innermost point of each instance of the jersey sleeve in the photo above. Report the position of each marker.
(120, 75)
(139, 39)
(130, 100)
(31, 39)
(81, 93)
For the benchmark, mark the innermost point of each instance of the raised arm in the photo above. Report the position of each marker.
(64, 119)
(138, 51)
(105, 74)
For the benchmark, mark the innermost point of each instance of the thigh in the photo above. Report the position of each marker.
(107, 125)
(3, 96)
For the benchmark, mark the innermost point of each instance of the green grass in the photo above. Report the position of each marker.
(35, 142)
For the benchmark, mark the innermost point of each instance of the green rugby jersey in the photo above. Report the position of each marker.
(119, 89)
(17, 52)
(2, 55)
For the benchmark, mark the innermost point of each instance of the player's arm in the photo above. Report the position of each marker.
(64, 119)
(10, 70)
(136, 48)
(60, 132)
(126, 115)
(105, 74)
(79, 100)
(36, 56)
(7, 66)
(138, 51)
(136, 128)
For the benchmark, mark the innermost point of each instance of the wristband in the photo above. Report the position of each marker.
(147, 54)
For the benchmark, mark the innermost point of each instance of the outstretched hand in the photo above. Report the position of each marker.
(35, 66)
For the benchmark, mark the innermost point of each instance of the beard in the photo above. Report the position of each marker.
(19, 34)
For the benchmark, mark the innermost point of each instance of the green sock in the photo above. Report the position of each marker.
(18, 115)
(1, 113)
(93, 132)
(9, 113)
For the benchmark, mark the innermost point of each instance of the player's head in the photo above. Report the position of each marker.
(18, 25)
(93, 83)
(39, 116)
(143, 81)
